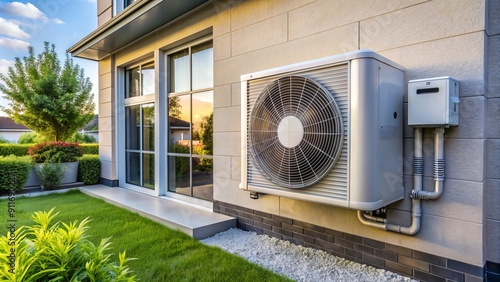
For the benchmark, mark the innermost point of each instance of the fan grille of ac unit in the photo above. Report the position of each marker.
(314, 147)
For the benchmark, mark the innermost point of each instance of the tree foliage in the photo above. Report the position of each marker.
(52, 100)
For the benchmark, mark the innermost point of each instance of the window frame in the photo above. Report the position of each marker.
(141, 101)
(191, 155)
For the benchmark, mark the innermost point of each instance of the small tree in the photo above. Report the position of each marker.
(46, 98)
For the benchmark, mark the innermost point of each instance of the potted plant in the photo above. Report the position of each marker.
(64, 153)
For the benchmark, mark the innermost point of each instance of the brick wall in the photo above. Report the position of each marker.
(419, 265)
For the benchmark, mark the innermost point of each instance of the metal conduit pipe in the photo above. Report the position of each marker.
(416, 211)
(438, 169)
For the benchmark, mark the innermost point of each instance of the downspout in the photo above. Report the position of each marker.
(416, 212)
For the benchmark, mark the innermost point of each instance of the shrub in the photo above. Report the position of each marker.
(181, 163)
(14, 149)
(90, 148)
(82, 138)
(3, 141)
(50, 175)
(30, 138)
(89, 169)
(59, 252)
(55, 152)
(14, 172)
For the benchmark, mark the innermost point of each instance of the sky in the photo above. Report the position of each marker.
(60, 22)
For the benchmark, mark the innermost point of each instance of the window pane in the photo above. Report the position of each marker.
(178, 175)
(203, 66)
(133, 83)
(133, 168)
(203, 104)
(148, 123)
(179, 71)
(132, 123)
(148, 170)
(148, 79)
(128, 2)
(203, 178)
(179, 121)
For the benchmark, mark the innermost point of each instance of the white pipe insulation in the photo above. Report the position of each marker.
(417, 193)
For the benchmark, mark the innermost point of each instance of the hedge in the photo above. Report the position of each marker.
(90, 148)
(22, 149)
(14, 171)
(14, 149)
(89, 169)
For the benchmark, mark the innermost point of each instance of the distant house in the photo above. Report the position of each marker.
(91, 128)
(179, 130)
(10, 131)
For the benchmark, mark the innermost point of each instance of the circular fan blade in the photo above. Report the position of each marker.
(295, 132)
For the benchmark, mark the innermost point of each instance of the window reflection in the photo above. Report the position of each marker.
(148, 127)
(203, 66)
(148, 79)
(133, 83)
(202, 123)
(179, 69)
(132, 121)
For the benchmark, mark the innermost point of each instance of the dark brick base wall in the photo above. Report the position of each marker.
(109, 182)
(419, 265)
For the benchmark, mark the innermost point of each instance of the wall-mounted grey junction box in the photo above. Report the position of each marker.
(433, 102)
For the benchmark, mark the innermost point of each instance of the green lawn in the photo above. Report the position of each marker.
(163, 254)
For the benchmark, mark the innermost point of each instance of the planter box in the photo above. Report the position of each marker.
(70, 174)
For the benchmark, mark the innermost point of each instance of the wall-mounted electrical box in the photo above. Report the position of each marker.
(433, 102)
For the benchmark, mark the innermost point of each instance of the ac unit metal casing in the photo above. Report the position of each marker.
(367, 89)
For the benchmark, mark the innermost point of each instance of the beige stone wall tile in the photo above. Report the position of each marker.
(105, 80)
(106, 124)
(106, 110)
(461, 57)
(425, 22)
(492, 199)
(105, 16)
(226, 190)
(227, 144)
(222, 96)
(260, 35)
(461, 200)
(247, 13)
(222, 167)
(106, 138)
(106, 95)
(323, 15)
(236, 94)
(103, 5)
(492, 244)
(227, 119)
(106, 153)
(313, 47)
(222, 47)
(108, 170)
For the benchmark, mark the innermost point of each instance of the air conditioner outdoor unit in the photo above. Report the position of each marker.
(328, 130)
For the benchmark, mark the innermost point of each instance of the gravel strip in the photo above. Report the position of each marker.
(296, 262)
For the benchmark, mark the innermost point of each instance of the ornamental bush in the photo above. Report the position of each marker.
(14, 172)
(59, 252)
(89, 169)
(55, 152)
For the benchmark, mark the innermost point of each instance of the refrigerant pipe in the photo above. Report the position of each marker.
(416, 212)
